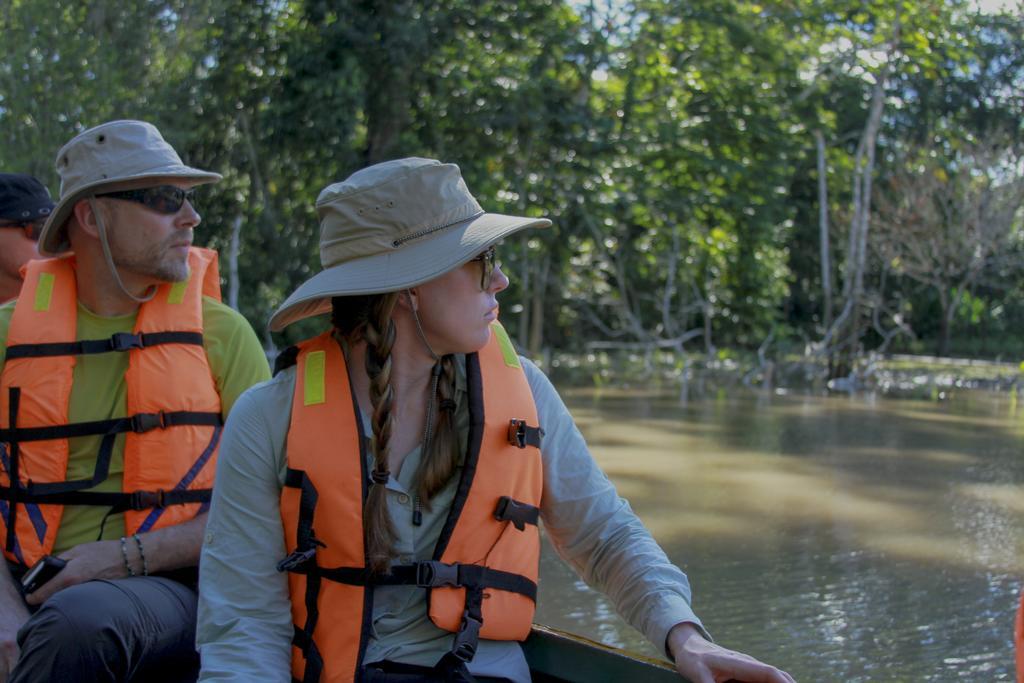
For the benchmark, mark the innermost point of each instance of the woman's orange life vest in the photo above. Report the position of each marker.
(482, 580)
(1018, 638)
(173, 422)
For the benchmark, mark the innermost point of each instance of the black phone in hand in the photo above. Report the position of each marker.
(41, 572)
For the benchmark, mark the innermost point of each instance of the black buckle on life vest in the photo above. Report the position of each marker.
(144, 500)
(466, 640)
(517, 433)
(520, 514)
(522, 435)
(433, 574)
(125, 341)
(299, 558)
(144, 422)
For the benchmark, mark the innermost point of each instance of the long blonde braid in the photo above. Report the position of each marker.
(437, 465)
(369, 318)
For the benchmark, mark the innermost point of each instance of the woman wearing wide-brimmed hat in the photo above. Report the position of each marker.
(375, 512)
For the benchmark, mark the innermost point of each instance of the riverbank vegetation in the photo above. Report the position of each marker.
(829, 179)
(696, 376)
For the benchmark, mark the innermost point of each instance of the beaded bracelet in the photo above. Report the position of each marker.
(145, 567)
(124, 555)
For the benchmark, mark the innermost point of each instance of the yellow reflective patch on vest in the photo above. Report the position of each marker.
(315, 378)
(177, 293)
(508, 352)
(44, 292)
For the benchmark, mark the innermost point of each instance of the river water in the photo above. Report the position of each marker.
(841, 538)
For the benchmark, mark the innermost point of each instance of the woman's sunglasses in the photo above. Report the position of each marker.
(32, 229)
(166, 199)
(488, 262)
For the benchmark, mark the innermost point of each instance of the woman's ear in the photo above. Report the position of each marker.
(410, 299)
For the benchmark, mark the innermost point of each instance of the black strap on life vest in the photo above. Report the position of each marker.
(475, 579)
(118, 342)
(301, 560)
(118, 500)
(522, 435)
(73, 492)
(14, 398)
(286, 359)
(428, 574)
(140, 423)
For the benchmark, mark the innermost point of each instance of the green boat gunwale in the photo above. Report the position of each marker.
(557, 656)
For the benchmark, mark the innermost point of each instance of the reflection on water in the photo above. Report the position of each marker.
(845, 539)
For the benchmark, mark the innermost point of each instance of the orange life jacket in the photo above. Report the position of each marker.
(482, 580)
(1018, 637)
(172, 427)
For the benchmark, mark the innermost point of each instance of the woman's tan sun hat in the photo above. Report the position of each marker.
(392, 226)
(112, 156)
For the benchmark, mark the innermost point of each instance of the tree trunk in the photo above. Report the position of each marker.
(388, 67)
(826, 267)
(844, 336)
(269, 217)
(233, 249)
(386, 115)
(526, 271)
(709, 346)
(537, 307)
(949, 304)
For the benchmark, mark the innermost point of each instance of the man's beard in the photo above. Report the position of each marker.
(156, 262)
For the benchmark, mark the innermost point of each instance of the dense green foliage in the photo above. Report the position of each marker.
(673, 145)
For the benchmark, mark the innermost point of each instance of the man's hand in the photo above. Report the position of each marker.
(96, 560)
(169, 548)
(12, 616)
(701, 661)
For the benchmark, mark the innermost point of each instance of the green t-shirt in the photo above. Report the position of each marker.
(99, 392)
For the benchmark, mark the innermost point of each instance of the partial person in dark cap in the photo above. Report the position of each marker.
(118, 365)
(24, 205)
(377, 503)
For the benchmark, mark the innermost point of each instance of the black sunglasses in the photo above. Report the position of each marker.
(32, 229)
(488, 261)
(166, 199)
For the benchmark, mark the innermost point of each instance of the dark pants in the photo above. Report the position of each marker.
(135, 629)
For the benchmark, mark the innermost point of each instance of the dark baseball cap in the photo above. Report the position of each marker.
(23, 198)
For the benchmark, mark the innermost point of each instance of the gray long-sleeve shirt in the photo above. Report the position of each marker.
(245, 624)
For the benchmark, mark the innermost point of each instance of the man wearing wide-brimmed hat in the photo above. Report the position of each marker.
(24, 205)
(117, 369)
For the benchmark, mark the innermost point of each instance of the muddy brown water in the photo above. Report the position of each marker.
(842, 538)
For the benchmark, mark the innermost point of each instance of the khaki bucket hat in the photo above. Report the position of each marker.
(392, 226)
(112, 156)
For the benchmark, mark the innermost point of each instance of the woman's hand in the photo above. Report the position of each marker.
(701, 661)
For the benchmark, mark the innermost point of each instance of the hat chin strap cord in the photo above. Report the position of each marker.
(435, 376)
(102, 229)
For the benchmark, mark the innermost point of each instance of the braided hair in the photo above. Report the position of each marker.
(369, 318)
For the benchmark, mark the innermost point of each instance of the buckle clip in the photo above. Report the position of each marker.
(125, 341)
(466, 640)
(298, 558)
(517, 433)
(433, 574)
(144, 422)
(520, 514)
(144, 500)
